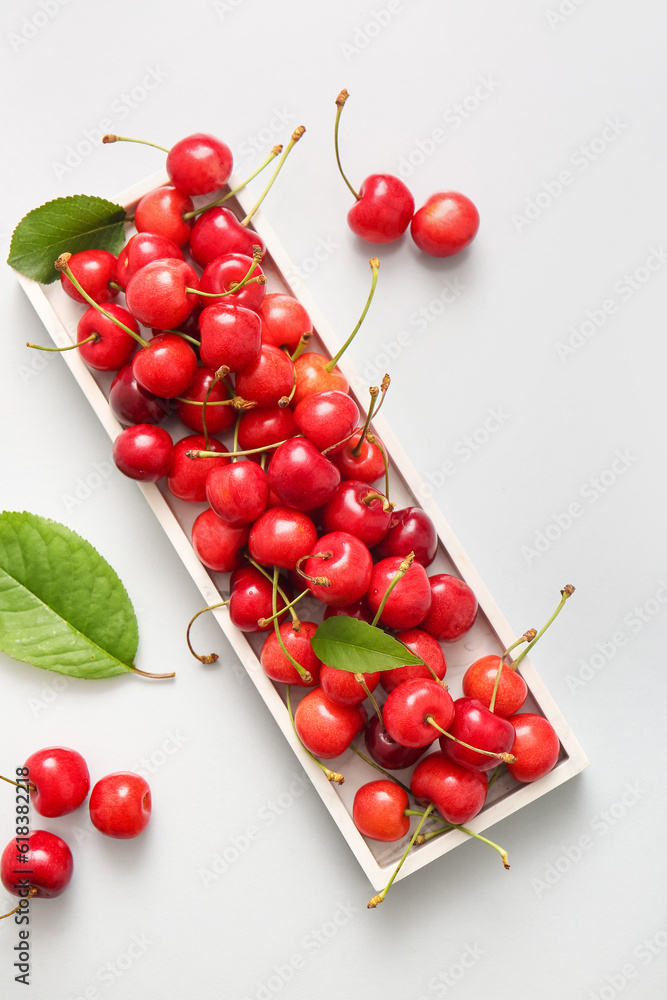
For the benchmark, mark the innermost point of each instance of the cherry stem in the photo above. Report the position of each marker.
(387, 506)
(92, 339)
(332, 447)
(334, 776)
(360, 679)
(508, 758)
(414, 812)
(238, 402)
(263, 622)
(376, 900)
(124, 138)
(375, 266)
(375, 392)
(196, 453)
(380, 769)
(185, 336)
(296, 135)
(566, 592)
(398, 576)
(321, 581)
(230, 194)
(269, 577)
(19, 784)
(435, 677)
(373, 440)
(145, 673)
(530, 634)
(216, 378)
(62, 264)
(208, 657)
(31, 892)
(340, 104)
(471, 833)
(285, 401)
(384, 385)
(260, 279)
(304, 674)
(304, 340)
(494, 777)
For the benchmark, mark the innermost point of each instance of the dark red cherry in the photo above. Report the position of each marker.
(132, 404)
(410, 530)
(143, 452)
(218, 418)
(387, 752)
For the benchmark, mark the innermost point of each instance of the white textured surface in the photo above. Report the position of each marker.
(471, 335)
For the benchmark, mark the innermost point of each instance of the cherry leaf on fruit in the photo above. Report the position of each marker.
(62, 607)
(78, 222)
(350, 644)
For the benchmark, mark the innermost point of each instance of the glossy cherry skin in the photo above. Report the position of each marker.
(457, 793)
(267, 379)
(383, 211)
(265, 425)
(230, 335)
(453, 608)
(199, 164)
(311, 377)
(166, 367)
(161, 212)
(326, 418)
(284, 320)
(347, 565)
(238, 493)
(325, 727)
(410, 530)
(93, 269)
(48, 860)
(156, 295)
(410, 599)
(120, 805)
(144, 452)
(217, 544)
(61, 780)
(357, 609)
(378, 811)
(132, 404)
(187, 477)
(423, 645)
(219, 275)
(302, 477)
(474, 724)
(114, 347)
(251, 599)
(367, 466)
(445, 224)
(218, 418)
(480, 678)
(280, 537)
(278, 667)
(408, 705)
(536, 747)
(385, 751)
(142, 249)
(217, 231)
(343, 686)
(357, 509)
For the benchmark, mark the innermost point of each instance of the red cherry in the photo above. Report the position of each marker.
(378, 811)
(166, 367)
(142, 249)
(446, 224)
(199, 164)
(326, 417)
(302, 477)
(387, 752)
(93, 269)
(311, 377)
(265, 425)
(231, 336)
(251, 599)
(217, 231)
(120, 805)
(536, 747)
(357, 509)
(238, 492)
(218, 544)
(409, 704)
(423, 645)
(479, 681)
(218, 418)
(161, 212)
(325, 727)
(457, 794)
(48, 861)
(284, 320)
(281, 537)
(367, 466)
(267, 379)
(410, 599)
(474, 724)
(132, 404)
(343, 686)
(410, 530)
(114, 347)
(453, 608)
(143, 452)
(156, 295)
(61, 780)
(347, 567)
(298, 645)
(187, 477)
(383, 211)
(219, 275)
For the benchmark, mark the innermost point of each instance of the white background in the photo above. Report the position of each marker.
(520, 94)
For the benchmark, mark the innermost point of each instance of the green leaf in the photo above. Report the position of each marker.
(79, 222)
(350, 644)
(62, 607)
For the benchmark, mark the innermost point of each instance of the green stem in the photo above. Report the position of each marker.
(334, 776)
(208, 657)
(124, 138)
(296, 135)
(376, 900)
(375, 392)
(304, 340)
(304, 674)
(62, 264)
(263, 622)
(375, 266)
(508, 758)
(496, 683)
(566, 592)
(230, 194)
(340, 104)
(196, 453)
(398, 576)
(92, 339)
(373, 440)
(269, 577)
(471, 833)
(19, 784)
(380, 769)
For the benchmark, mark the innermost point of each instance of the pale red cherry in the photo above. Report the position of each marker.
(445, 224)
(230, 336)
(218, 544)
(312, 377)
(327, 418)
(161, 212)
(343, 686)
(268, 379)
(280, 537)
(284, 320)
(238, 492)
(410, 599)
(536, 747)
(422, 645)
(479, 681)
(453, 608)
(325, 727)
(457, 794)
(378, 811)
(298, 645)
